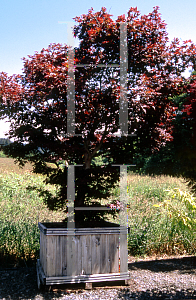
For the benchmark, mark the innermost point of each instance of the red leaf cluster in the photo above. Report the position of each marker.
(154, 75)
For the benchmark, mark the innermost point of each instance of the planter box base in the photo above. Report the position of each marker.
(82, 255)
(43, 280)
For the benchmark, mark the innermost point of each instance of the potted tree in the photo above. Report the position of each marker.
(117, 70)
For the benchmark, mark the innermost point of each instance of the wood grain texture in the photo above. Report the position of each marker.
(86, 252)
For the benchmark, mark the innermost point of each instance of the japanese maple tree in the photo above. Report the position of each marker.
(37, 106)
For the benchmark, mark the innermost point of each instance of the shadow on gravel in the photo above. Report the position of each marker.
(183, 265)
(156, 295)
(21, 283)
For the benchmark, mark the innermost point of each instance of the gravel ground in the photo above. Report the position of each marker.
(170, 278)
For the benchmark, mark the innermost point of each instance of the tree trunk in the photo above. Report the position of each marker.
(87, 159)
(82, 186)
(82, 192)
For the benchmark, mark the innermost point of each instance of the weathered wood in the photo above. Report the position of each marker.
(88, 285)
(51, 256)
(87, 278)
(123, 253)
(95, 250)
(43, 250)
(114, 253)
(58, 256)
(38, 279)
(41, 279)
(71, 255)
(64, 254)
(104, 262)
(86, 255)
(79, 254)
(83, 253)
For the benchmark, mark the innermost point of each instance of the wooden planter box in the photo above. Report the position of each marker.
(83, 255)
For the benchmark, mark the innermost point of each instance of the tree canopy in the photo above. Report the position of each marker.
(36, 102)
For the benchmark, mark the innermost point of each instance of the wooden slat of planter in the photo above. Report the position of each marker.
(51, 256)
(95, 250)
(104, 263)
(123, 253)
(64, 254)
(58, 256)
(86, 241)
(43, 250)
(114, 253)
(71, 256)
(45, 253)
(79, 254)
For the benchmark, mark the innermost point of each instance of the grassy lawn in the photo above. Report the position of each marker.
(153, 230)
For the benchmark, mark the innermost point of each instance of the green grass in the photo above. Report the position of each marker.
(2, 154)
(153, 230)
(158, 229)
(21, 208)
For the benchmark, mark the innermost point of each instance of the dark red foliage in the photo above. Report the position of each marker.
(36, 101)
